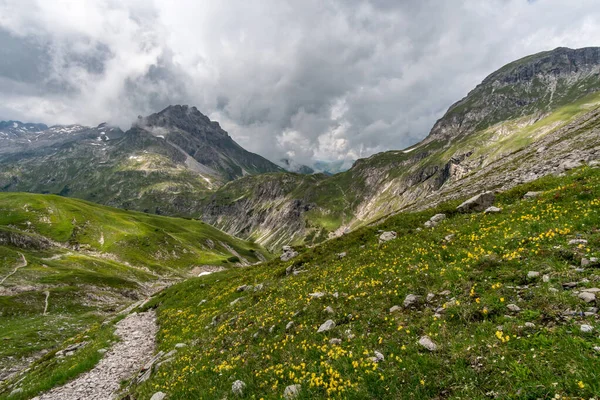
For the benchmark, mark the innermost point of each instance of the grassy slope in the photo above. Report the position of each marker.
(121, 255)
(485, 350)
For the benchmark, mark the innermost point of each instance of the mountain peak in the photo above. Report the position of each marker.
(183, 117)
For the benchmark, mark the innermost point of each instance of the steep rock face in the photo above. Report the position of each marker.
(533, 85)
(206, 142)
(267, 208)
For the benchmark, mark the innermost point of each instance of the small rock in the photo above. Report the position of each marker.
(546, 278)
(341, 255)
(596, 349)
(289, 325)
(335, 341)
(258, 287)
(102, 351)
(387, 236)
(445, 293)
(529, 325)
(588, 297)
(531, 195)
(585, 328)
(327, 325)
(349, 334)
(180, 345)
(234, 302)
(578, 241)
(426, 342)
(158, 396)
(394, 309)
(430, 297)
(513, 307)
(438, 218)
(15, 392)
(291, 392)
(329, 310)
(533, 274)
(492, 210)
(243, 288)
(553, 290)
(378, 357)
(411, 300)
(449, 238)
(317, 295)
(238, 388)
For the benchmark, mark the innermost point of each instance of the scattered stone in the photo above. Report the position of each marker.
(317, 295)
(577, 241)
(387, 236)
(258, 287)
(449, 238)
(327, 325)
(591, 290)
(426, 342)
(394, 309)
(341, 255)
(553, 290)
(349, 334)
(546, 278)
(513, 307)
(291, 392)
(243, 288)
(585, 262)
(102, 351)
(15, 392)
(445, 293)
(329, 310)
(569, 285)
(289, 325)
(533, 274)
(597, 349)
(588, 297)
(335, 341)
(158, 396)
(238, 388)
(411, 300)
(438, 218)
(492, 210)
(234, 302)
(585, 328)
(378, 357)
(529, 325)
(430, 297)
(477, 203)
(288, 253)
(180, 345)
(531, 195)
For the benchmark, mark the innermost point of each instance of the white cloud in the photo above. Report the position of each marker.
(321, 79)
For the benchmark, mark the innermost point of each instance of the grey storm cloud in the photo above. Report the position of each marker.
(306, 79)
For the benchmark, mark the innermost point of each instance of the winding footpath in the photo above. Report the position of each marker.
(137, 334)
(22, 265)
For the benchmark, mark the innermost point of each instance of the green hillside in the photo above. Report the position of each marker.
(66, 264)
(485, 348)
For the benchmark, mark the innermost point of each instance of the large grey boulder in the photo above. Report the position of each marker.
(477, 203)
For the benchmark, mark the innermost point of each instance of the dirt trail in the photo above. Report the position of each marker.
(22, 265)
(137, 333)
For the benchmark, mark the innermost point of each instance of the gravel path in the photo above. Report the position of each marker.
(22, 265)
(137, 333)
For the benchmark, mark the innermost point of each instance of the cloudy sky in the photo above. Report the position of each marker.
(310, 79)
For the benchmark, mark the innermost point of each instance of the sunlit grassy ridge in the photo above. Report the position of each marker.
(89, 261)
(485, 350)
